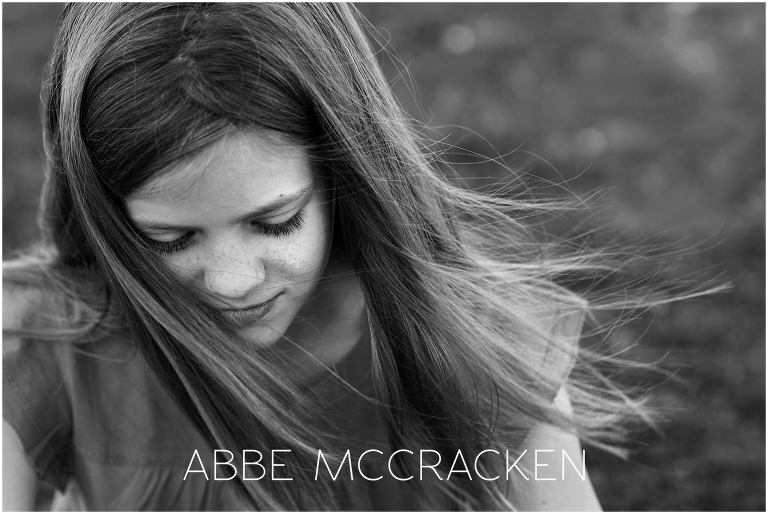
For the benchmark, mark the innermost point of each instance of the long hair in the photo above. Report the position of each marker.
(460, 296)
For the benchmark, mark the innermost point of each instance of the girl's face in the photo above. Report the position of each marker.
(246, 221)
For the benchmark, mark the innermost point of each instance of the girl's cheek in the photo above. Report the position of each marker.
(309, 252)
(187, 268)
(305, 258)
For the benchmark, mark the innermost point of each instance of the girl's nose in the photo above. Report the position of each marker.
(233, 275)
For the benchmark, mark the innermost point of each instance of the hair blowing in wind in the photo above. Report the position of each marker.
(461, 297)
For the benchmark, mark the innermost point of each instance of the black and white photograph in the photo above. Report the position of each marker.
(384, 256)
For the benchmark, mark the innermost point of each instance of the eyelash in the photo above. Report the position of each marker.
(282, 229)
(271, 229)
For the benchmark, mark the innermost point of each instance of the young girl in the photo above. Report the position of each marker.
(257, 289)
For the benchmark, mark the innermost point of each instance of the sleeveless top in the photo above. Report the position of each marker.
(96, 424)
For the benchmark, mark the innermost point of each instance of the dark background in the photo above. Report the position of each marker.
(659, 108)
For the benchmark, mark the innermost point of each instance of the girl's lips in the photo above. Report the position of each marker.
(250, 315)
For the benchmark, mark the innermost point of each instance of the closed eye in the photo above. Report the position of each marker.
(168, 247)
(271, 229)
(281, 229)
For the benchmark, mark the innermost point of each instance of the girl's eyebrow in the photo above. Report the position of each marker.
(260, 211)
(273, 206)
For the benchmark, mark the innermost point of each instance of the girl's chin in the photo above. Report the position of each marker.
(262, 337)
(268, 331)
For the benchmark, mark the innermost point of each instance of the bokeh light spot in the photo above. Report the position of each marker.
(683, 8)
(696, 57)
(590, 143)
(459, 39)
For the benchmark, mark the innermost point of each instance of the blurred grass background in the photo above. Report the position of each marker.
(661, 104)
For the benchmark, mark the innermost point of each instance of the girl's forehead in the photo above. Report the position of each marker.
(242, 162)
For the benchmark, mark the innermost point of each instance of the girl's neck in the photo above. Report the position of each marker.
(327, 327)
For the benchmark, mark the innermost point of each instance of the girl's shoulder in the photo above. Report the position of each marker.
(56, 323)
(18, 300)
(23, 307)
(562, 327)
(41, 301)
(565, 322)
